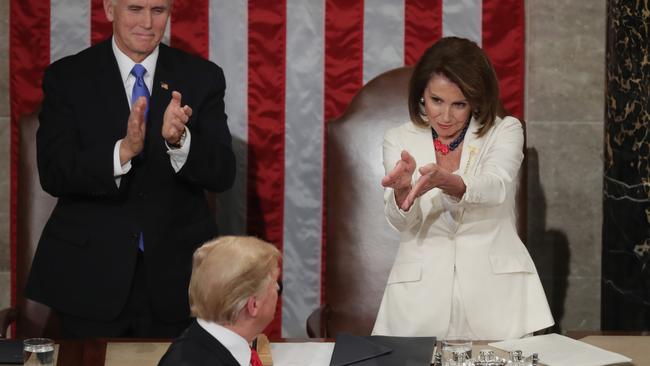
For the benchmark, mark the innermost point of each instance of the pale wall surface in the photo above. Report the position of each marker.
(565, 114)
(564, 109)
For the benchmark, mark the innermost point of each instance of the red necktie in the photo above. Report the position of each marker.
(255, 358)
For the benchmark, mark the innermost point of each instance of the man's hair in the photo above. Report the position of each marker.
(226, 272)
(466, 65)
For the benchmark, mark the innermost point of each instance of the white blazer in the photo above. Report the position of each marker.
(501, 291)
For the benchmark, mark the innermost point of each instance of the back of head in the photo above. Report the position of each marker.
(226, 272)
(465, 64)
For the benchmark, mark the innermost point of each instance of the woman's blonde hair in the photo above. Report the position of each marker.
(226, 272)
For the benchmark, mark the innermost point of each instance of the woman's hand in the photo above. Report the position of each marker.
(399, 179)
(434, 176)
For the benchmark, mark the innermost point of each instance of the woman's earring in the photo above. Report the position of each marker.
(423, 113)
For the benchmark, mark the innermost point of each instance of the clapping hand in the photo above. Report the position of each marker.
(399, 179)
(133, 142)
(431, 176)
(175, 119)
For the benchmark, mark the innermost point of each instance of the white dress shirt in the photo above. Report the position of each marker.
(177, 156)
(237, 345)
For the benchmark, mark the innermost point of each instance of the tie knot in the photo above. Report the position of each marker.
(138, 71)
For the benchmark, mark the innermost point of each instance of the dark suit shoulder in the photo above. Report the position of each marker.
(85, 61)
(196, 347)
(187, 59)
(191, 68)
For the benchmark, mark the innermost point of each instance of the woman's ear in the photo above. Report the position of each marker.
(422, 110)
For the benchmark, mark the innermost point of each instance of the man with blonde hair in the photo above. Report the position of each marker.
(233, 293)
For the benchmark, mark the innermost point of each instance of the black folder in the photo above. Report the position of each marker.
(382, 351)
(11, 351)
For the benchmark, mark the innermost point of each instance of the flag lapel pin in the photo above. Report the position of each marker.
(164, 85)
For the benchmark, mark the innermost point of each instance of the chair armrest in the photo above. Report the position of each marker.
(7, 316)
(317, 322)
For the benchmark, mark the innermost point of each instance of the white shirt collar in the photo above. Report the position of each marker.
(235, 343)
(125, 63)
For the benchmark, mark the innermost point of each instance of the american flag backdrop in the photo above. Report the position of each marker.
(290, 66)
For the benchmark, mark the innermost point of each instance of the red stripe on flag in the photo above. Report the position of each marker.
(343, 77)
(29, 47)
(504, 42)
(100, 27)
(422, 27)
(190, 26)
(266, 129)
(343, 54)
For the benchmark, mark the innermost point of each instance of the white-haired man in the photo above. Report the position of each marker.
(131, 134)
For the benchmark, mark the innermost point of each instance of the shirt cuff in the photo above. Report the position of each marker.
(118, 169)
(178, 156)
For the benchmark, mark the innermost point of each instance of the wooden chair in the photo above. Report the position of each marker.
(361, 246)
(32, 319)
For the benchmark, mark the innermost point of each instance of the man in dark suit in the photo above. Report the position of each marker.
(233, 293)
(131, 134)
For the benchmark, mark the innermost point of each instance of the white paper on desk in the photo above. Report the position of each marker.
(302, 354)
(558, 350)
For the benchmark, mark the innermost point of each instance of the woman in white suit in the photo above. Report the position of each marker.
(451, 176)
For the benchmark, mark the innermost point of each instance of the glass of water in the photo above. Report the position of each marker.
(38, 352)
(456, 352)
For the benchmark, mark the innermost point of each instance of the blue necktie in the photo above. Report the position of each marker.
(140, 90)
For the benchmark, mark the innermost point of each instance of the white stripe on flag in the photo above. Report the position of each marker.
(383, 37)
(303, 180)
(69, 27)
(229, 49)
(462, 18)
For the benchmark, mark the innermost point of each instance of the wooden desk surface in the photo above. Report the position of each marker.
(101, 352)
(136, 352)
(635, 347)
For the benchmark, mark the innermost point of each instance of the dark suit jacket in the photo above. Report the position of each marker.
(197, 347)
(85, 259)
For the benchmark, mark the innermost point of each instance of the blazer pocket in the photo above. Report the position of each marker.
(405, 272)
(511, 264)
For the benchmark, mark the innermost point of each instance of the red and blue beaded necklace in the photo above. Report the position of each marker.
(445, 149)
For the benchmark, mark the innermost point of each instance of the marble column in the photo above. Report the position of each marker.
(626, 185)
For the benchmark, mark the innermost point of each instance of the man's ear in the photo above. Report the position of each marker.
(108, 9)
(252, 306)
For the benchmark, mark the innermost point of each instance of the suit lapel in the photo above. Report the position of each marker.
(110, 91)
(162, 87)
(471, 149)
(422, 147)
